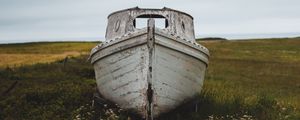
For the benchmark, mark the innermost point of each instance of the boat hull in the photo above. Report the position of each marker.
(177, 78)
(171, 67)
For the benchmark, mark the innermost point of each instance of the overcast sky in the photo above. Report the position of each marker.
(36, 20)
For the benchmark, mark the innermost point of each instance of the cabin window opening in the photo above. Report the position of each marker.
(141, 21)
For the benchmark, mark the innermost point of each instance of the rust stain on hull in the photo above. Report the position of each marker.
(149, 70)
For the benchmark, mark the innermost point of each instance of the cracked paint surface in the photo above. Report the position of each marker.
(150, 71)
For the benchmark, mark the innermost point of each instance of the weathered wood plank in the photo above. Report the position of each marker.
(149, 70)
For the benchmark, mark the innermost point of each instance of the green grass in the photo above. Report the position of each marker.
(251, 71)
(257, 79)
(269, 66)
(46, 91)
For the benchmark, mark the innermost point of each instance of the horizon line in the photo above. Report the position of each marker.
(245, 36)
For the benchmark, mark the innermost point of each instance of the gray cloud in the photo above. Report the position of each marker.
(77, 19)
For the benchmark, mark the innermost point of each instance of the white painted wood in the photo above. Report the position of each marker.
(149, 70)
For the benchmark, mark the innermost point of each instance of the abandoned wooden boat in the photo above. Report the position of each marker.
(149, 70)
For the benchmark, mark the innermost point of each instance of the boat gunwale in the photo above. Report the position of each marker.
(183, 41)
(144, 31)
(203, 59)
(117, 40)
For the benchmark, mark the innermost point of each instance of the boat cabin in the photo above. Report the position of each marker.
(130, 20)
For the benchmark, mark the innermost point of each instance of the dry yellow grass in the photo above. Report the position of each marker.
(14, 55)
(14, 60)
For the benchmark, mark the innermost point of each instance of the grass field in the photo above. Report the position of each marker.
(248, 70)
(255, 65)
(250, 79)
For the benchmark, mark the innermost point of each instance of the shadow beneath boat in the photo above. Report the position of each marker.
(183, 111)
(105, 109)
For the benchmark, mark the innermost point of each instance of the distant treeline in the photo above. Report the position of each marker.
(211, 38)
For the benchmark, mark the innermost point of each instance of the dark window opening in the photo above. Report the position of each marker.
(141, 21)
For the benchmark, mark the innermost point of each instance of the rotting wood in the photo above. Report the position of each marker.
(150, 44)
